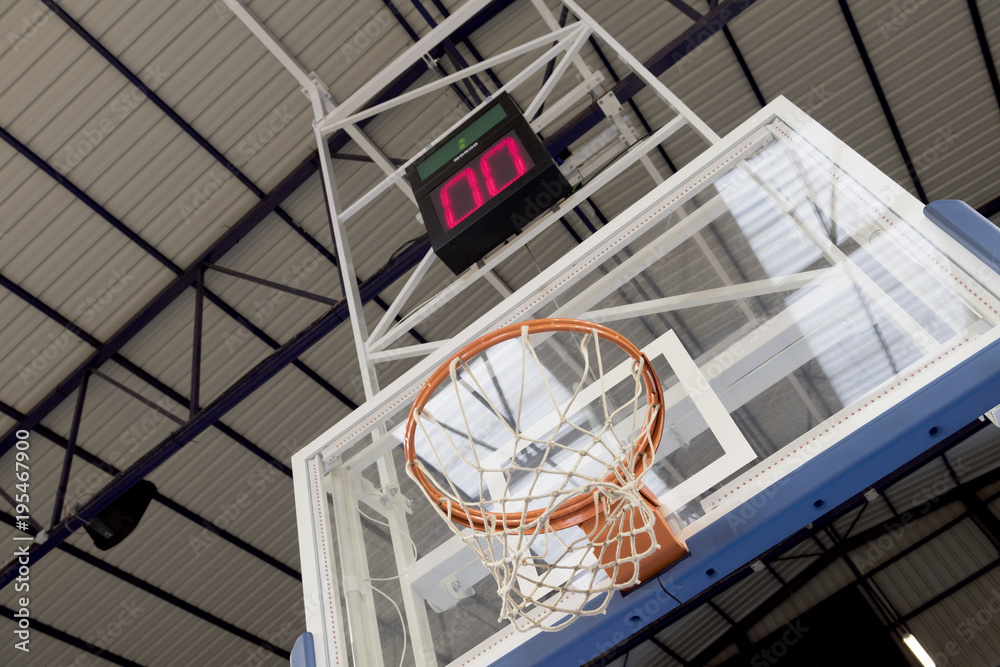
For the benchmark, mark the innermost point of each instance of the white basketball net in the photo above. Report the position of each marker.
(545, 577)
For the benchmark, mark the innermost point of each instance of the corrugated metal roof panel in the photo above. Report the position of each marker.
(744, 597)
(57, 91)
(962, 627)
(689, 634)
(935, 566)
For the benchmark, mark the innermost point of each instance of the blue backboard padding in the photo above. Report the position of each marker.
(966, 226)
(303, 653)
(834, 476)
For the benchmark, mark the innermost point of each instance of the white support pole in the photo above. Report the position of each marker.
(320, 586)
(709, 296)
(348, 276)
(359, 597)
(404, 551)
(416, 614)
(566, 102)
(499, 285)
(407, 352)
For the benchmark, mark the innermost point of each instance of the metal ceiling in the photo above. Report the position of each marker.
(143, 140)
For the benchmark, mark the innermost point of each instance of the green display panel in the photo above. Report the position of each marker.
(456, 145)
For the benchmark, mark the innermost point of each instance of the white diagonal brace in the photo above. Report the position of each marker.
(413, 54)
(697, 124)
(557, 73)
(404, 295)
(337, 119)
(271, 42)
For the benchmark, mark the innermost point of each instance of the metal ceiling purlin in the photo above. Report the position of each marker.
(710, 23)
(984, 46)
(246, 385)
(74, 432)
(240, 229)
(75, 642)
(882, 100)
(823, 560)
(167, 502)
(158, 592)
(132, 368)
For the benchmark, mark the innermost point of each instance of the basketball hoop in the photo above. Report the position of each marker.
(547, 529)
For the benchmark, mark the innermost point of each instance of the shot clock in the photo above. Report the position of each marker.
(483, 183)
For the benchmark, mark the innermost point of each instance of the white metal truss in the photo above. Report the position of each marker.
(561, 44)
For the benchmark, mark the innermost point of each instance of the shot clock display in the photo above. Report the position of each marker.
(483, 183)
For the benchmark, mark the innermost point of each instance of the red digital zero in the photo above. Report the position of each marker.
(484, 178)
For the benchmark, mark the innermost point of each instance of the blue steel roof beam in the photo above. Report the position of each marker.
(456, 58)
(744, 66)
(241, 389)
(709, 24)
(686, 9)
(289, 184)
(75, 642)
(469, 45)
(141, 85)
(852, 26)
(74, 432)
(216, 154)
(155, 591)
(130, 234)
(401, 20)
(167, 502)
(134, 369)
(984, 46)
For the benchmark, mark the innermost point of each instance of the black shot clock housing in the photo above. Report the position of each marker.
(483, 183)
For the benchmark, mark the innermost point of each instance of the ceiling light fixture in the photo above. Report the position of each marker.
(922, 655)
